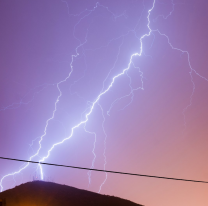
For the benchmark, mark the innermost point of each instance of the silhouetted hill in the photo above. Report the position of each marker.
(40, 193)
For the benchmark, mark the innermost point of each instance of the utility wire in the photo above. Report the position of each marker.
(98, 170)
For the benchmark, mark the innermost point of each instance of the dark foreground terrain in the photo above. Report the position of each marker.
(39, 193)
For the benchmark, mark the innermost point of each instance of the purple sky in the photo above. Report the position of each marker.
(153, 120)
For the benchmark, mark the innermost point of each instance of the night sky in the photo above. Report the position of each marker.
(57, 61)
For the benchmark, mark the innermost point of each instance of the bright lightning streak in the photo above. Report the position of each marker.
(93, 104)
(104, 91)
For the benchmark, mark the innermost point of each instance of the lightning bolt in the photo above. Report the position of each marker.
(104, 90)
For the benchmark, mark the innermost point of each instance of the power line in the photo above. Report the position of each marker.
(98, 170)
